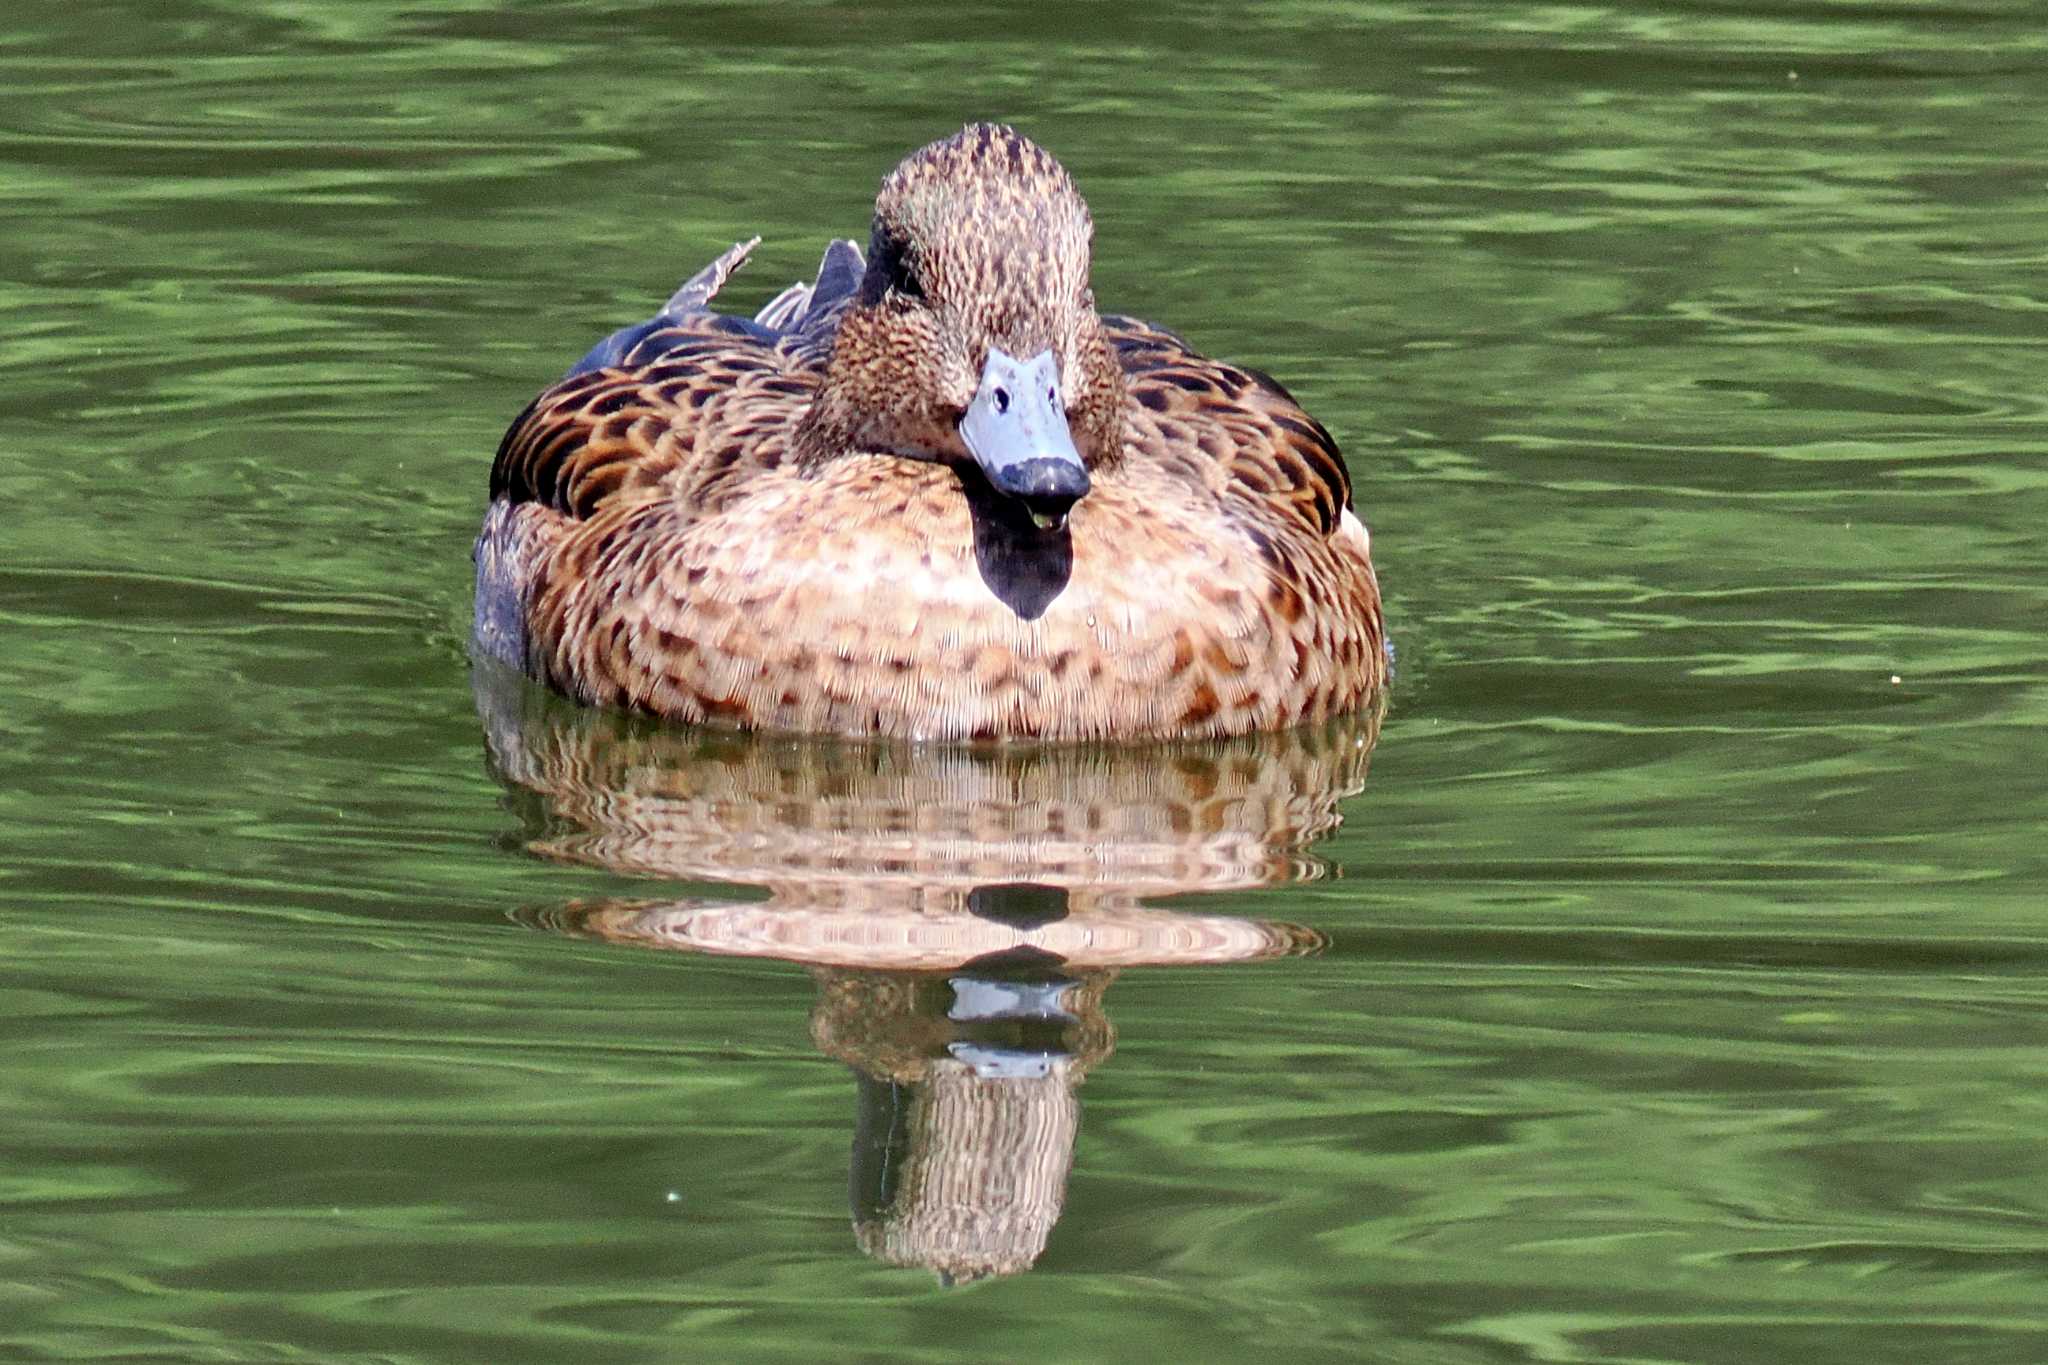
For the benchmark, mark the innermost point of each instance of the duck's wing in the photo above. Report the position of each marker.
(1230, 426)
(691, 397)
(711, 404)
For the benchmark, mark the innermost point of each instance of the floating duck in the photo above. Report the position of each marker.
(932, 494)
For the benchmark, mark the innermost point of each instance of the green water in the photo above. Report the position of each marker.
(1679, 992)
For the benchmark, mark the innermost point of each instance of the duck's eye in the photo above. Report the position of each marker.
(1002, 398)
(1052, 396)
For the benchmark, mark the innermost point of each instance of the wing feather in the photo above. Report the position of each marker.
(693, 415)
(1231, 425)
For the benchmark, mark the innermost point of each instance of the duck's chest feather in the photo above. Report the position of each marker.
(880, 596)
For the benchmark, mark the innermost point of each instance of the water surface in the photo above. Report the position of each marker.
(1671, 989)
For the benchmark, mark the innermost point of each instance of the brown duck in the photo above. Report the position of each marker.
(934, 495)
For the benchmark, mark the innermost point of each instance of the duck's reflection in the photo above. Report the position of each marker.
(967, 1109)
(963, 911)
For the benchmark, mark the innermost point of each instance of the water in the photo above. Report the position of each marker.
(1671, 990)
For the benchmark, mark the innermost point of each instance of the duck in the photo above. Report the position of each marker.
(931, 494)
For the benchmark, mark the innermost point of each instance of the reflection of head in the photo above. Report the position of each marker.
(967, 1109)
(982, 1169)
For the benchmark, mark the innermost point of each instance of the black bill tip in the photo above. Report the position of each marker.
(1048, 486)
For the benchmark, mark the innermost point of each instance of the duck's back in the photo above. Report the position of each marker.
(692, 399)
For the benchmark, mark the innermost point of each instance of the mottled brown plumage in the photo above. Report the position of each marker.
(778, 524)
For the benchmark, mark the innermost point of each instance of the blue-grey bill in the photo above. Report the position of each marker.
(1016, 429)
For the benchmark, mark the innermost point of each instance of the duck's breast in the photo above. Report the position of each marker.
(876, 597)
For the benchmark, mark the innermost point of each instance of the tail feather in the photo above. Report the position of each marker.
(803, 306)
(799, 308)
(839, 275)
(785, 309)
(696, 293)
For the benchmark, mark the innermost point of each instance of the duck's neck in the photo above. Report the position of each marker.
(1096, 410)
(822, 434)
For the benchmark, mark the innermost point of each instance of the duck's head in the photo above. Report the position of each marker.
(974, 340)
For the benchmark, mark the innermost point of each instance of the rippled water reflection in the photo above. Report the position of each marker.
(1678, 994)
(962, 911)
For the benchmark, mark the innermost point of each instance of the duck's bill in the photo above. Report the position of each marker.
(1016, 429)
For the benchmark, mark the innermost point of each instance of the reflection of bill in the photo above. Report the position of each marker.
(962, 910)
